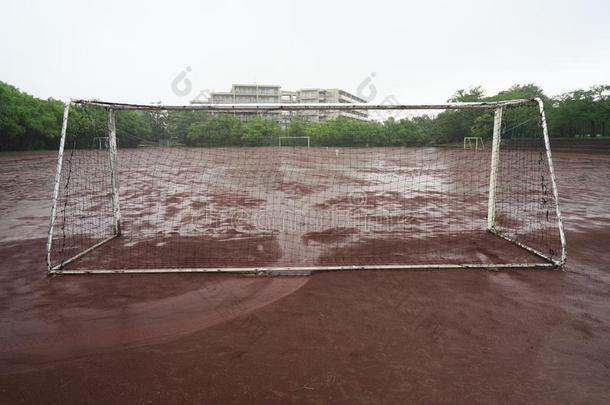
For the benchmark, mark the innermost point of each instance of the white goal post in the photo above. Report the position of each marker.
(279, 141)
(217, 204)
(101, 142)
(477, 141)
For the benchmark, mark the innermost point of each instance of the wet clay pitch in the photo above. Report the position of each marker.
(466, 336)
(295, 207)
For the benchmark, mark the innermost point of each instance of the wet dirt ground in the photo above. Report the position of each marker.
(463, 336)
(301, 207)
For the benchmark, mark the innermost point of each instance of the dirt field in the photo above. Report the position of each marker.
(466, 336)
(275, 207)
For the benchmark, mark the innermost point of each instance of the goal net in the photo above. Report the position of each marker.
(150, 188)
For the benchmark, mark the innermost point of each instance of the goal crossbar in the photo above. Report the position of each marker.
(549, 261)
(476, 139)
(302, 106)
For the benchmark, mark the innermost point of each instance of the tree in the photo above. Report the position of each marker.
(258, 131)
(405, 132)
(179, 122)
(158, 123)
(298, 126)
(220, 130)
(27, 122)
(454, 125)
(581, 113)
(520, 91)
(132, 129)
(475, 93)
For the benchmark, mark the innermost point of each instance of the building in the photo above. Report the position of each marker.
(259, 93)
(330, 96)
(248, 94)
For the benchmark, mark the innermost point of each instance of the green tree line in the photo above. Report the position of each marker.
(27, 123)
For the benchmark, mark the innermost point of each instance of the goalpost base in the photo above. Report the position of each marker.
(549, 263)
(304, 271)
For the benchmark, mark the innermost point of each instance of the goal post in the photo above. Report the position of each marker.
(100, 141)
(285, 138)
(398, 196)
(114, 176)
(478, 142)
(493, 172)
(547, 147)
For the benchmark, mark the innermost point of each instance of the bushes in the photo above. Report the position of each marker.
(27, 122)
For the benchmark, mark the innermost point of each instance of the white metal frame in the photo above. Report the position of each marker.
(279, 141)
(549, 262)
(468, 141)
(547, 147)
(114, 175)
(493, 172)
(56, 184)
(105, 140)
(99, 140)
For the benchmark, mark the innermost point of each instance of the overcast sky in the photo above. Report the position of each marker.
(417, 52)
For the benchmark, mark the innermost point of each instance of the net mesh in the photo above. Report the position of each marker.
(199, 190)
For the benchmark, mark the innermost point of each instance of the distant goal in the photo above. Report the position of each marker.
(360, 194)
(473, 142)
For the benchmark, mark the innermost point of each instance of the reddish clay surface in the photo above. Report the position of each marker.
(463, 336)
(277, 207)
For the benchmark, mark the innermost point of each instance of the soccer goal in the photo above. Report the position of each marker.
(101, 142)
(293, 141)
(469, 140)
(401, 194)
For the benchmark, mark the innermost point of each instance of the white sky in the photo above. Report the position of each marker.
(419, 51)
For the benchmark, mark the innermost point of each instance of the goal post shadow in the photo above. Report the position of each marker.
(549, 261)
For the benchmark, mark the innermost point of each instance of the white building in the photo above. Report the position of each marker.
(330, 96)
(259, 93)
